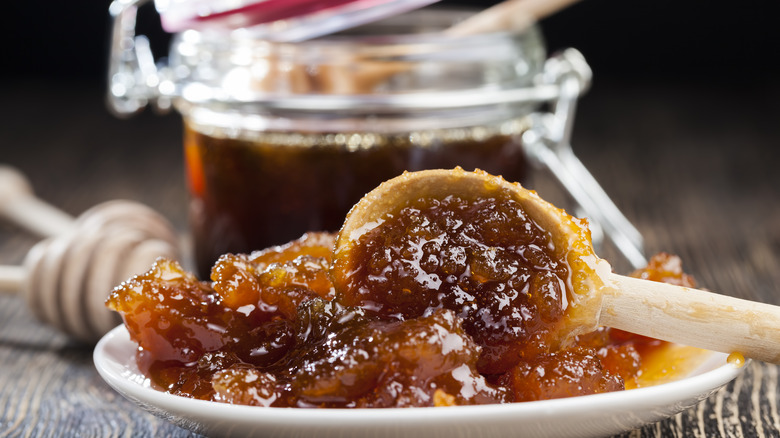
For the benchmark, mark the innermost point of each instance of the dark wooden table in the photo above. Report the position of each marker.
(695, 168)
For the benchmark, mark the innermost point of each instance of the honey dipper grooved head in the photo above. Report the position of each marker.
(70, 276)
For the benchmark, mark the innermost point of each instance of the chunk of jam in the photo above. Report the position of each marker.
(268, 332)
(665, 268)
(484, 259)
(251, 191)
(346, 357)
(565, 373)
(176, 319)
(322, 354)
(273, 282)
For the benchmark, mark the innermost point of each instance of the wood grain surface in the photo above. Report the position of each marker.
(694, 168)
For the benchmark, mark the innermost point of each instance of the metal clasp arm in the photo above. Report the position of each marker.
(133, 78)
(548, 142)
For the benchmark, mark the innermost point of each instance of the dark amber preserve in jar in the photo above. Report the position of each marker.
(281, 139)
(250, 194)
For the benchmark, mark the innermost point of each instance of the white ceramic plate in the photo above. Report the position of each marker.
(588, 416)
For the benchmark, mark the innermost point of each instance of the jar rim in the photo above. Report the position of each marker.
(416, 67)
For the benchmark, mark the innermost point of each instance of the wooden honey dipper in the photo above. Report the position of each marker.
(66, 278)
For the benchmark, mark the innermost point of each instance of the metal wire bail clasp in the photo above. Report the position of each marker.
(548, 143)
(134, 80)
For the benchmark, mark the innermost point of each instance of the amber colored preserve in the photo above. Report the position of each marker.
(271, 329)
(251, 192)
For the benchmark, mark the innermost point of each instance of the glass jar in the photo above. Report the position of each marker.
(283, 138)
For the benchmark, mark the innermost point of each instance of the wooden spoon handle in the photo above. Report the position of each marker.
(508, 15)
(693, 317)
(19, 205)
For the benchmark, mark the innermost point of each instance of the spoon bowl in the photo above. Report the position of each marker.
(570, 236)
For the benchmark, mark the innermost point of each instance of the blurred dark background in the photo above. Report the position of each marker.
(669, 40)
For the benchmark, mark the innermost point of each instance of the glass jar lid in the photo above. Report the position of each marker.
(278, 20)
(402, 63)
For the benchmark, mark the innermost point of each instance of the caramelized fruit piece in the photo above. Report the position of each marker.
(566, 373)
(172, 315)
(278, 278)
(190, 380)
(622, 360)
(177, 319)
(351, 359)
(665, 268)
(246, 385)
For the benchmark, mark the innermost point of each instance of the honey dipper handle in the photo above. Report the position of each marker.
(19, 205)
(693, 317)
(11, 278)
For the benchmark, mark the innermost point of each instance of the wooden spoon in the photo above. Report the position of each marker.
(598, 297)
